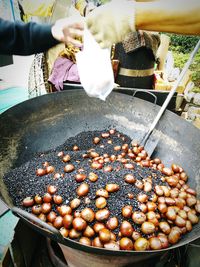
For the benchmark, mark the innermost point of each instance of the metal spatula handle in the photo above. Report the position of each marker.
(170, 95)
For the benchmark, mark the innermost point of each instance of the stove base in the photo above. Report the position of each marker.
(30, 249)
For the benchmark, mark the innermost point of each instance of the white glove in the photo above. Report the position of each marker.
(111, 22)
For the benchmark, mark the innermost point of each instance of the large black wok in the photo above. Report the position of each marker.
(47, 121)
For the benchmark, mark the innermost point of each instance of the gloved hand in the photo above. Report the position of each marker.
(111, 22)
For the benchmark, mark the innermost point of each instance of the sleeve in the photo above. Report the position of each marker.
(80, 5)
(18, 38)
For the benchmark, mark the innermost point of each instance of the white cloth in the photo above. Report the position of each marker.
(94, 68)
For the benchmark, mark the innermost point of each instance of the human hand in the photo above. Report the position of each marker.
(69, 30)
(111, 22)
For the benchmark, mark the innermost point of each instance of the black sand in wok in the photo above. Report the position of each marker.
(23, 181)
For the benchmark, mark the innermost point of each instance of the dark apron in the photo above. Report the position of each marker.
(136, 69)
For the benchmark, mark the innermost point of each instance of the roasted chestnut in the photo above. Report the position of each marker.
(96, 165)
(102, 215)
(126, 229)
(141, 244)
(112, 245)
(104, 235)
(28, 202)
(58, 222)
(174, 236)
(112, 223)
(135, 235)
(66, 158)
(127, 211)
(74, 234)
(67, 221)
(79, 224)
(100, 202)
(102, 193)
(51, 189)
(51, 216)
(36, 209)
(85, 241)
(57, 199)
(88, 214)
(64, 232)
(38, 199)
(112, 188)
(75, 148)
(80, 177)
(88, 232)
(47, 198)
(96, 140)
(98, 226)
(142, 197)
(75, 203)
(129, 178)
(93, 177)
(82, 190)
(69, 168)
(155, 243)
(42, 217)
(165, 228)
(148, 228)
(126, 243)
(97, 242)
(40, 172)
(64, 209)
(138, 217)
(46, 208)
(50, 169)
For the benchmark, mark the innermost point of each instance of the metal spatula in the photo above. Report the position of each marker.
(147, 140)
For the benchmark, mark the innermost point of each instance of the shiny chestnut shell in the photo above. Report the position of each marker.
(79, 224)
(57, 199)
(141, 244)
(64, 209)
(88, 214)
(69, 168)
(104, 235)
(58, 222)
(101, 202)
(82, 190)
(127, 211)
(51, 189)
(102, 215)
(46, 208)
(28, 202)
(36, 209)
(112, 223)
(126, 243)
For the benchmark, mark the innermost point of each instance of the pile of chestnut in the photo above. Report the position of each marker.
(162, 219)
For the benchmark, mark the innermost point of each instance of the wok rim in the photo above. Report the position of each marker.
(75, 244)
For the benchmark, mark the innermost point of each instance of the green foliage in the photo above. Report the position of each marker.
(182, 46)
(183, 43)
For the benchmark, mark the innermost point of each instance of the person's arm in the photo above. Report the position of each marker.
(176, 16)
(111, 22)
(25, 38)
(21, 38)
